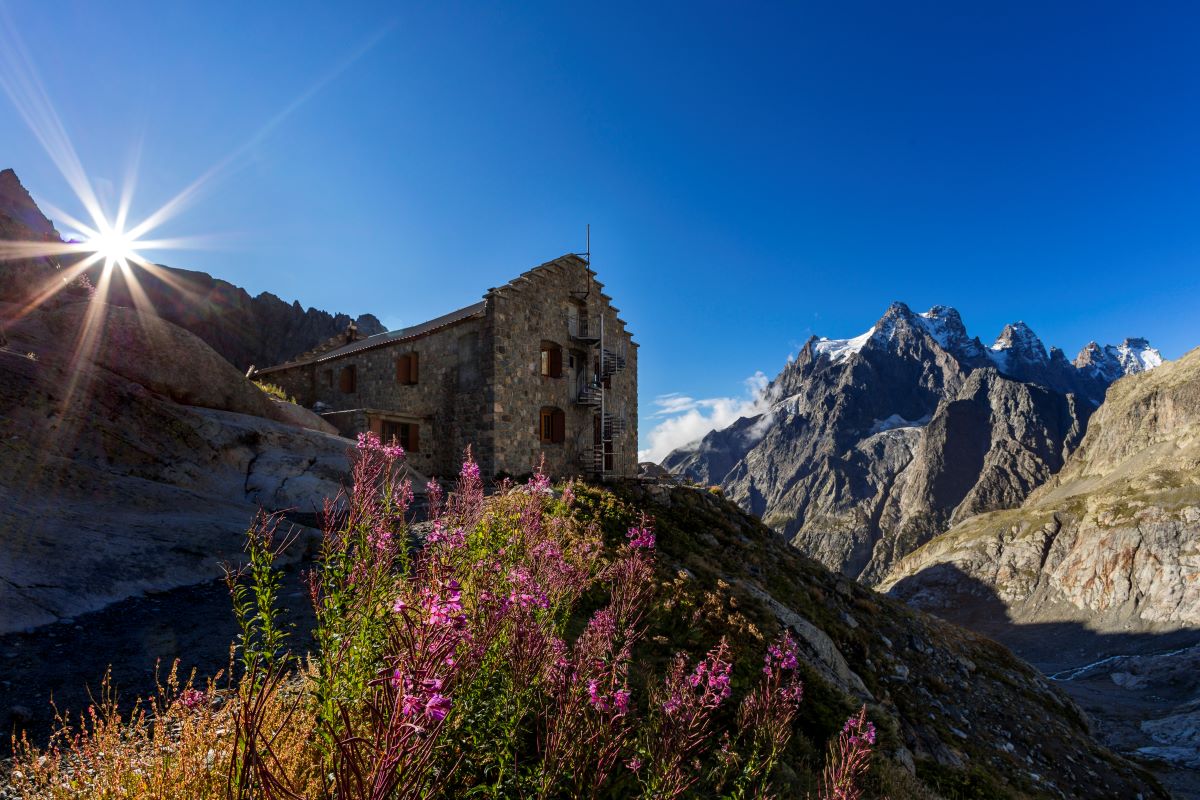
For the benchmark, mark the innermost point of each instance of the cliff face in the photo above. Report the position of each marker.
(259, 331)
(1114, 538)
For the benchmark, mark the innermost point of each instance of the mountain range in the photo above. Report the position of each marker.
(247, 330)
(866, 448)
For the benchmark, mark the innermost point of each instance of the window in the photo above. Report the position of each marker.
(347, 380)
(552, 426)
(468, 362)
(407, 369)
(406, 433)
(329, 378)
(551, 365)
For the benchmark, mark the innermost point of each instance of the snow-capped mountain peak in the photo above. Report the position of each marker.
(1114, 361)
(1017, 343)
(945, 326)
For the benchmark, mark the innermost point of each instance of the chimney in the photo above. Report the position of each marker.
(351, 333)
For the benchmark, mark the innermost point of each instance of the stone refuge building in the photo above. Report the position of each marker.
(542, 365)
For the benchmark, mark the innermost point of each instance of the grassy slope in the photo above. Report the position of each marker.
(975, 720)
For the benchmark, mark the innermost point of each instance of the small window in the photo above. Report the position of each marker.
(552, 426)
(551, 365)
(407, 368)
(348, 380)
(329, 378)
(407, 434)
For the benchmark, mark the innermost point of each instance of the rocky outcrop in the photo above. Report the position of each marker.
(1112, 539)
(18, 211)
(869, 447)
(259, 331)
(128, 468)
(248, 331)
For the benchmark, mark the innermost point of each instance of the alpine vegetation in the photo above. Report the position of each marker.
(513, 646)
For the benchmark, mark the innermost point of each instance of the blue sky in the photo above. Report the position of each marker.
(753, 173)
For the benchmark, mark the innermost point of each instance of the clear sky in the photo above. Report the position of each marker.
(753, 173)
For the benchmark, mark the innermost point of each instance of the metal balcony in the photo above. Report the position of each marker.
(583, 329)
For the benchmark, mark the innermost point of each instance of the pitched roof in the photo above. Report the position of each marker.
(390, 337)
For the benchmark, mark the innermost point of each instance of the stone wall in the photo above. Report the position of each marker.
(445, 402)
(535, 308)
(480, 382)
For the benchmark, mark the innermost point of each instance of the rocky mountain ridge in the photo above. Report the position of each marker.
(247, 330)
(867, 447)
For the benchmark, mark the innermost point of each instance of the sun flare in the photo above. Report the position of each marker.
(116, 247)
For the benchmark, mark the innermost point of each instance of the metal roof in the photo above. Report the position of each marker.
(391, 337)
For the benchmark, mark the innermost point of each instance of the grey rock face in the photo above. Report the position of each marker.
(1113, 538)
(872, 446)
(126, 470)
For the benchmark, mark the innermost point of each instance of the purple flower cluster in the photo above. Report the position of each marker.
(525, 590)
(781, 655)
(859, 731)
(423, 697)
(641, 536)
(616, 702)
(849, 759)
(369, 442)
(445, 611)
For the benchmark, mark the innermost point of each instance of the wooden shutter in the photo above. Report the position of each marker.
(414, 439)
(555, 362)
(376, 425)
(346, 380)
(403, 370)
(412, 373)
(558, 426)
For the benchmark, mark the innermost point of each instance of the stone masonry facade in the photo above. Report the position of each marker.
(543, 367)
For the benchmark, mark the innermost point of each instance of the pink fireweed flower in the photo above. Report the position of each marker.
(634, 764)
(595, 697)
(781, 655)
(369, 442)
(860, 730)
(437, 707)
(410, 705)
(641, 537)
(621, 701)
(470, 471)
(436, 498)
(192, 699)
(539, 484)
(849, 759)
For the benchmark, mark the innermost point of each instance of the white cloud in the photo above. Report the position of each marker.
(685, 420)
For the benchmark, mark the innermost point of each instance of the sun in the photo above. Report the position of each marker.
(114, 245)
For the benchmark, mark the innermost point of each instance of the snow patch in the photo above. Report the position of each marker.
(839, 350)
(1136, 355)
(896, 422)
(936, 324)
